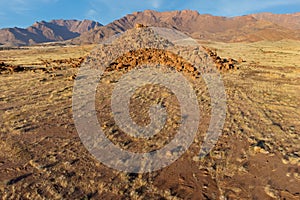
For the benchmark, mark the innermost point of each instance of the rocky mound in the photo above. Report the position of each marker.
(147, 46)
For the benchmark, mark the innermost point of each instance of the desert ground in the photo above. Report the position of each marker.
(256, 157)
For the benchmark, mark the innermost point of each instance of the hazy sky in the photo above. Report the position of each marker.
(23, 13)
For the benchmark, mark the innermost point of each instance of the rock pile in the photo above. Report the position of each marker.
(144, 46)
(152, 56)
(222, 64)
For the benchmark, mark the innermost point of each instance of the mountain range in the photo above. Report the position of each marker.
(41, 32)
(248, 28)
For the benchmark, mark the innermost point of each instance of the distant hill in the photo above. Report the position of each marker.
(291, 21)
(248, 28)
(40, 32)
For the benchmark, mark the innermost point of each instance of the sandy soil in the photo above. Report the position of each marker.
(257, 156)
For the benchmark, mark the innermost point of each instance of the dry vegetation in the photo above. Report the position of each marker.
(37, 55)
(257, 157)
(265, 53)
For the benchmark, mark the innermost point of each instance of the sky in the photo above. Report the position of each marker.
(23, 13)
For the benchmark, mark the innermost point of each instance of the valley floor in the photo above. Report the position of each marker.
(257, 156)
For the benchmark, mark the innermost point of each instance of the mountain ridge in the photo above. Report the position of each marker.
(246, 28)
(41, 32)
(198, 26)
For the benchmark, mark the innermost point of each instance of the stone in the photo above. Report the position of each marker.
(139, 25)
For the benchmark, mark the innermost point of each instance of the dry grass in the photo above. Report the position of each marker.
(29, 56)
(266, 53)
(257, 157)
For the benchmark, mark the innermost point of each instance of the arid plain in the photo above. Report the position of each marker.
(256, 157)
